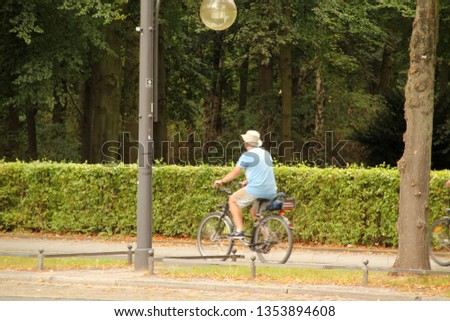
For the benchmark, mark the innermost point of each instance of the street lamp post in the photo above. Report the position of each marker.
(217, 15)
(146, 111)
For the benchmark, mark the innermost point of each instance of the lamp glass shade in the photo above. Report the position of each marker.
(218, 14)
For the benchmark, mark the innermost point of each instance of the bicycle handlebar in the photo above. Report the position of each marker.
(228, 191)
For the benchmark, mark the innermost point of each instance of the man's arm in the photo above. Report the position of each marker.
(229, 177)
(447, 183)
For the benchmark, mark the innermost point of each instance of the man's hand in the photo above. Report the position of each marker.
(447, 183)
(218, 183)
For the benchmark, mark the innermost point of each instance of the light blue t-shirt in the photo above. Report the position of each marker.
(258, 167)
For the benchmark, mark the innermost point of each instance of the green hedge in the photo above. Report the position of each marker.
(339, 206)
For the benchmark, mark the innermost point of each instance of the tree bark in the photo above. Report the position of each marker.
(320, 103)
(387, 65)
(265, 86)
(414, 166)
(85, 121)
(243, 84)
(103, 101)
(13, 151)
(213, 95)
(130, 101)
(160, 127)
(286, 97)
(31, 113)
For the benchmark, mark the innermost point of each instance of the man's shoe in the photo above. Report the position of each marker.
(236, 235)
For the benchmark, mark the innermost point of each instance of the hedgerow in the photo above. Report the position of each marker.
(334, 206)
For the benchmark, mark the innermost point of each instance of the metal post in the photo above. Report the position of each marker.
(41, 260)
(146, 100)
(151, 262)
(233, 255)
(130, 254)
(253, 267)
(365, 272)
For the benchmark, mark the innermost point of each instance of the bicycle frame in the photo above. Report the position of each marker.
(259, 216)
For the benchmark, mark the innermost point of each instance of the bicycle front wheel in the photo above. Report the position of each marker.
(439, 241)
(273, 239)
(212, 235)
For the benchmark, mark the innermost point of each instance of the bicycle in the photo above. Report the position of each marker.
(271, 236)
(439, 240)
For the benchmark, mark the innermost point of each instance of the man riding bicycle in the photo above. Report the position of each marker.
(259, 183)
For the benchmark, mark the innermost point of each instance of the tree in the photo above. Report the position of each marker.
(102, 103)
(414, 166)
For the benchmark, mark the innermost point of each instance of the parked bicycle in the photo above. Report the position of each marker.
(271, 236)
(439, 239)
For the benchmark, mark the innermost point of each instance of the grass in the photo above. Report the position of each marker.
(31, 264)
(436, 285)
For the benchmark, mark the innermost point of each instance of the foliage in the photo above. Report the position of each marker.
(339, 206)
(49, 46)
(441, 132)
(382, 137)
(383, 131)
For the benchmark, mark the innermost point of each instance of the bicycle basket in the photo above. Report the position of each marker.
(288, 204)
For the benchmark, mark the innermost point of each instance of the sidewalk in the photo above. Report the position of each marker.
(195, 289)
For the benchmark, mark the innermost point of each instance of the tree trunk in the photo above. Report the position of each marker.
(286, 97)
(160, 127)
(387, 65)
(59, 111)
(414, 166)
(130, 101)
(31, 112)
(265, 87)
(85, 121)
(13, 151)
(104, 104)
(243, 84)
(320, 103)
(213, 96)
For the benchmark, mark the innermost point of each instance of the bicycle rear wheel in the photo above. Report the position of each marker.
(273, 239)
(439, 241)
(212, 235)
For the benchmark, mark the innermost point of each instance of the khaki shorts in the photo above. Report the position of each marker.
(244, 199)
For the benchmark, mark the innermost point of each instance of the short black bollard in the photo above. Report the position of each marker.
(151, 262)
(365, 272)
(233, 255)
(130, 254)
(41, 260)
(253, 267)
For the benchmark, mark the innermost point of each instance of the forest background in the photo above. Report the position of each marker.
(322, 81)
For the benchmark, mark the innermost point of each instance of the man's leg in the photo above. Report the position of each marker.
(237, 202)
(236, 213)
(259, 206)
(253, 213)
